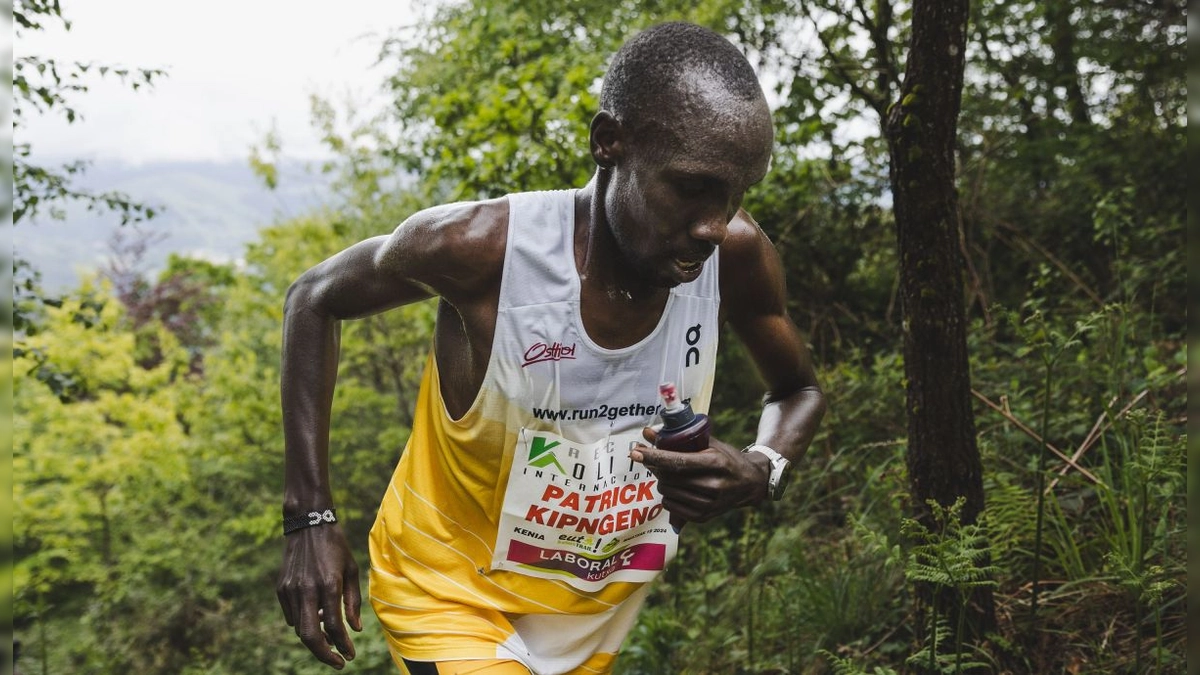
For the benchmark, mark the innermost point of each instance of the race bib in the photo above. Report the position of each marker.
(582, 512)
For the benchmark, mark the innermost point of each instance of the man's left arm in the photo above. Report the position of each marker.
(702, 485)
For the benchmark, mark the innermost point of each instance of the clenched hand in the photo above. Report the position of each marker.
(318, 577)
(698, 486)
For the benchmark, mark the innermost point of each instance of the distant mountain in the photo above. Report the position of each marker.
(209, 210)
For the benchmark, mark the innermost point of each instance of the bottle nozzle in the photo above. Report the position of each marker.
(675, 412)
(682, 428)
(670, 396)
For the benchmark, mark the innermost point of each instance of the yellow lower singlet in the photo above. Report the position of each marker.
(478, 667)
(487, 667)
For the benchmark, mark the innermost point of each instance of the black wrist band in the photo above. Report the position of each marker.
(293, 523)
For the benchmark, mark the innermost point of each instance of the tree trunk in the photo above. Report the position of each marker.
(942, 456)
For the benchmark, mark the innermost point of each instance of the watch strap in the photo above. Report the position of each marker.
(779, 465)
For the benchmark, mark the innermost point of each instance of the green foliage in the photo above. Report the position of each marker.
(495, 96)
(43, 86)
(745, 598)
(85, 467)
(147, 493)
(955, 555)
(1113, 535)
(1072, 125)
(1142, 524)
(847, 667)
(930, 660)
(1040, 338)
(1143, 473)
(833, 594)
(6, 486)
(945, 557)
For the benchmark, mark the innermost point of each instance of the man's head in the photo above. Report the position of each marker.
(684, 130)
(647, 73)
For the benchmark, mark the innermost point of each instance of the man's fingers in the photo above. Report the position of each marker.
(285, 603)
(693, 495)
(682, 512)
(353, 598)
(308, 629)
(335, 628)
(319, 578)
(650, 434)
(688, 503)
(289, 594)
(673, 462)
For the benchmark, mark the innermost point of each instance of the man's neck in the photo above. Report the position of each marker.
(598, 259)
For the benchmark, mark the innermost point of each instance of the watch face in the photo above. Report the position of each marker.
(781, 483)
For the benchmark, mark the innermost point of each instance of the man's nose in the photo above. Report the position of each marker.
(712, 228)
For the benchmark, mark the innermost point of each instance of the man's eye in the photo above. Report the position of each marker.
(691, 188)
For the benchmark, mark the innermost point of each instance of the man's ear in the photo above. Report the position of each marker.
(607, 139)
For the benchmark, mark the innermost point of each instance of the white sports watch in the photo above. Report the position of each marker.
(778, 480)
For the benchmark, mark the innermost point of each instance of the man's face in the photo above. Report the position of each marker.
(678, 183)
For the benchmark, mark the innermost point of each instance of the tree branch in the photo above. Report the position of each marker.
(1034, 435)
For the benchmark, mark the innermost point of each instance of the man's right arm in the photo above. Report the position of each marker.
(442, 251)
(319, 575)
(351, 284)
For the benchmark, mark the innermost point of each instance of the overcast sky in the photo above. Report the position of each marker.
(234, 69)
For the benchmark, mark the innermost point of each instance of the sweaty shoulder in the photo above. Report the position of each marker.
(751, 274)
(455, 250)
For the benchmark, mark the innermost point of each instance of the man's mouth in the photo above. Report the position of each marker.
(689, 266)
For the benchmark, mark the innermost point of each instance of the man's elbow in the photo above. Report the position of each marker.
(303, 295)
(808, 398)
(816, 399)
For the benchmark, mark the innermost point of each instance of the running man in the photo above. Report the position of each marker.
(529, 510)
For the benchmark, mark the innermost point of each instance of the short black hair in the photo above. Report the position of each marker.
(649, 66)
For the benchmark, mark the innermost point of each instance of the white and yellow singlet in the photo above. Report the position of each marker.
(522, 531)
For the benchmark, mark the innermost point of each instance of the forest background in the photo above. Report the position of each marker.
(147, 448)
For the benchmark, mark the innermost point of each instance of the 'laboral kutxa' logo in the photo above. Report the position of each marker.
(541, 454)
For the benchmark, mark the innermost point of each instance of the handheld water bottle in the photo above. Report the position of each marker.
(683, 429)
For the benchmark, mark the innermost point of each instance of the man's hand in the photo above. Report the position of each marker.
(318, 575)
(699, 486)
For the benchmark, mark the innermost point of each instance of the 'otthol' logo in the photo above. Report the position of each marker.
(540, 351)
(541, 455)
